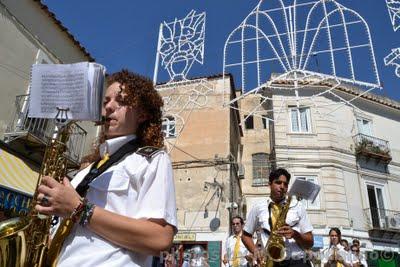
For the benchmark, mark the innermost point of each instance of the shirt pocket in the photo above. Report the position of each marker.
(292, 218)
(263, 219)
(111, 181)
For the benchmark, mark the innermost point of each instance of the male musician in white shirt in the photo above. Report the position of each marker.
(297, 232)
(236, 252)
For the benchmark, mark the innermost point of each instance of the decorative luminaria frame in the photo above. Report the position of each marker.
(393, 7)
(298, 44)
(180, 44)
(180, 98)
(394, 59)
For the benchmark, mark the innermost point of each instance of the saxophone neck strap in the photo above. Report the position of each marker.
(130, 147)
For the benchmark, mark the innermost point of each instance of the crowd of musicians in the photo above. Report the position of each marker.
(120, 209)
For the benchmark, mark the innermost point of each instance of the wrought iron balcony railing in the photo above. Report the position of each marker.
(39, 131)
(371, 146)
(383, 219)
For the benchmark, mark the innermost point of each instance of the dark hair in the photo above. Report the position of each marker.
(337, 230)
(275, 174)
(356, 241)
(140, 93)
(345, 241)
(355, 246)
(238, 217)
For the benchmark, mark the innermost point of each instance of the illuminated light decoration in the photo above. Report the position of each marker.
(180, 44)
(292, 46)
(180, 98)
(394, 59)
(394, 13)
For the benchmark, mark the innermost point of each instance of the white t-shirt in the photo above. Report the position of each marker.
(136, 187)
(230, 249)
(296, 218)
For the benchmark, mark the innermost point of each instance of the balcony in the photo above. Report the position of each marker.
(372, 147)
(29, 136)
(383, 223)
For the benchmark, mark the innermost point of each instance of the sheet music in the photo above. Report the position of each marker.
(304, 189)
(78, 87)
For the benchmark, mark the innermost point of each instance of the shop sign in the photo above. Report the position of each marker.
(13, 201)
(185, 237)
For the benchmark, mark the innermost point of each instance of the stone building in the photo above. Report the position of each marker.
(203, 139)
(29, 34)
(352, 152)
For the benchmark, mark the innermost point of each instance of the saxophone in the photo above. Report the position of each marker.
(24, 241)
(275, 248)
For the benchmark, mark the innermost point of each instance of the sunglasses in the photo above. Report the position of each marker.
(236, 223)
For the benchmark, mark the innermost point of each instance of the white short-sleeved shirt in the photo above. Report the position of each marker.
(230, 248)
(136, 187)
(296, 218)
(326, 253)
(360, 259)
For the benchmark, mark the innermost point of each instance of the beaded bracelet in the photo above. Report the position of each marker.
(77, 212)
(87, 214)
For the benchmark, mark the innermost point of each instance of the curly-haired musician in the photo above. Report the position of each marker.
(123, 205)
(297, 231)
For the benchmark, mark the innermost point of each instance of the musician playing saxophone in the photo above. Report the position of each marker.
(125, 211)
(297, 232)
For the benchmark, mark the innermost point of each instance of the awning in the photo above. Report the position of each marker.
(17, 175)
(318, 242)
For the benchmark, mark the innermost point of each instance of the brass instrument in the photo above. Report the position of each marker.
(275, 250)
(24, 241)
(334, 256)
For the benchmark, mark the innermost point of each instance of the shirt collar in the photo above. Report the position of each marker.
(110, 146)
(293, 202)
(269, 201)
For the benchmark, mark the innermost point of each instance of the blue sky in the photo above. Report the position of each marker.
(123, 33)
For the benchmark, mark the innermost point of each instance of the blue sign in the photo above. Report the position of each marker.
(17, 203)
(318, 241)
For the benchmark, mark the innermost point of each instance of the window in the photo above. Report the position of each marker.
(300, 120)
(260, 169)
(265, 122)
(307, 203)
(364, 126)
(376, 204)
(169, 127)
(248, 122)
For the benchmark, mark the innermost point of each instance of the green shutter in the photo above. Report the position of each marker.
(214, 253)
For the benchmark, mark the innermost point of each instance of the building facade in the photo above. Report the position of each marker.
(203, 138)
(353, 153)
(29, 34)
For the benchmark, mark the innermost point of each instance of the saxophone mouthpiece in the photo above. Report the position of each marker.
(101, 122)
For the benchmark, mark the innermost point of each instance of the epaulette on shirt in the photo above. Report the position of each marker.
(148, 151)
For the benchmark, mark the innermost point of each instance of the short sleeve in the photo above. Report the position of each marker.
(304, 223)
(251, 221)
(156, 196)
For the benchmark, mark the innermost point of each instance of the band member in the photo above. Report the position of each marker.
(335, 255)
(297, 232)
(128, 212)
(236, 252)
